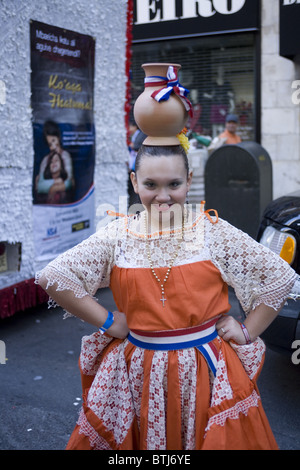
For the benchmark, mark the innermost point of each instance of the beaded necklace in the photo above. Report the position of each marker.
(162, 282)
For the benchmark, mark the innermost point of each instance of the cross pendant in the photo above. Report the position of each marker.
(163, 300)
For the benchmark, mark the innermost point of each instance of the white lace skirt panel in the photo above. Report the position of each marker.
(116, 395)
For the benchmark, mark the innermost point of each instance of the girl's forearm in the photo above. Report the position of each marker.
(259, 319)
(85, 308)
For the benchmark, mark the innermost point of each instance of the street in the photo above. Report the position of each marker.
(40, 388)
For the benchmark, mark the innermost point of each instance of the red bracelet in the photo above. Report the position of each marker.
(246, 334)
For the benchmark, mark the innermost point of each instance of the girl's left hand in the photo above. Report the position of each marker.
(230, 329)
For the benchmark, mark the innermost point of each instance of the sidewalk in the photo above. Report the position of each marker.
(40, 387)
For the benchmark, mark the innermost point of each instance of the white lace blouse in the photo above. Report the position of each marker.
(256, 274)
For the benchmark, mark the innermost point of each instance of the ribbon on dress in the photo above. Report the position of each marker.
(206, 213)
(170, 84)
(200, 337)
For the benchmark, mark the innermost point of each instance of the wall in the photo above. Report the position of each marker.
(106, 21)
(280, 116)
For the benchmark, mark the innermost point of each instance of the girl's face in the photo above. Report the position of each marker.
(55, 164)
(162, 183)
(53, 142)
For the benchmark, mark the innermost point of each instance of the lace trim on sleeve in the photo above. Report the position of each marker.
(257, 275)
(84, 268)
(295, 292)
(63, 282)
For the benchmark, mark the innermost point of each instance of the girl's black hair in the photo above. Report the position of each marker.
(47, 172)
(159, 151)
(51, 128)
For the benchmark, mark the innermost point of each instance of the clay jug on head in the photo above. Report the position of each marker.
(160, 121)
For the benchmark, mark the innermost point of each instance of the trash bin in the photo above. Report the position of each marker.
(238, 184)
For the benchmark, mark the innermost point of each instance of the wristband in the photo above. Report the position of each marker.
(246, 334)
(108, 322)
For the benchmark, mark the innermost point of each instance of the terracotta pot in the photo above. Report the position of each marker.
(160, 121)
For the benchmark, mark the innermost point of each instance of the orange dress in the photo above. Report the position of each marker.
(138, 398)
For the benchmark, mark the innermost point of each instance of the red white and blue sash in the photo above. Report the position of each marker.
(170, 84)
(199, 337)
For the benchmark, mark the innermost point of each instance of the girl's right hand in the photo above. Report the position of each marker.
(119, 328)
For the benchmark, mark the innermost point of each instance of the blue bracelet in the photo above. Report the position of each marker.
(108, 322)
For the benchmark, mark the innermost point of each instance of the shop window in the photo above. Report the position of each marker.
(218, 70)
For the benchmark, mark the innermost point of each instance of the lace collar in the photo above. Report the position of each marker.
(134, 224)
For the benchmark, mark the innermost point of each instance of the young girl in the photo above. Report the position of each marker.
(48, 185)
(55, 171)
(172, 370)
(169, 369)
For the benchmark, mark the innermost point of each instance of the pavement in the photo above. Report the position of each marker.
(40, 388)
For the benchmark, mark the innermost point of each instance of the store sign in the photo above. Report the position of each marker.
(289, 28)
(155, 19)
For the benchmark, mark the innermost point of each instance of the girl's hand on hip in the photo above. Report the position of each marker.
(119, 328)
(230, 329)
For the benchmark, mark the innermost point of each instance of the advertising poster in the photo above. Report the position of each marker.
(62, 87)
